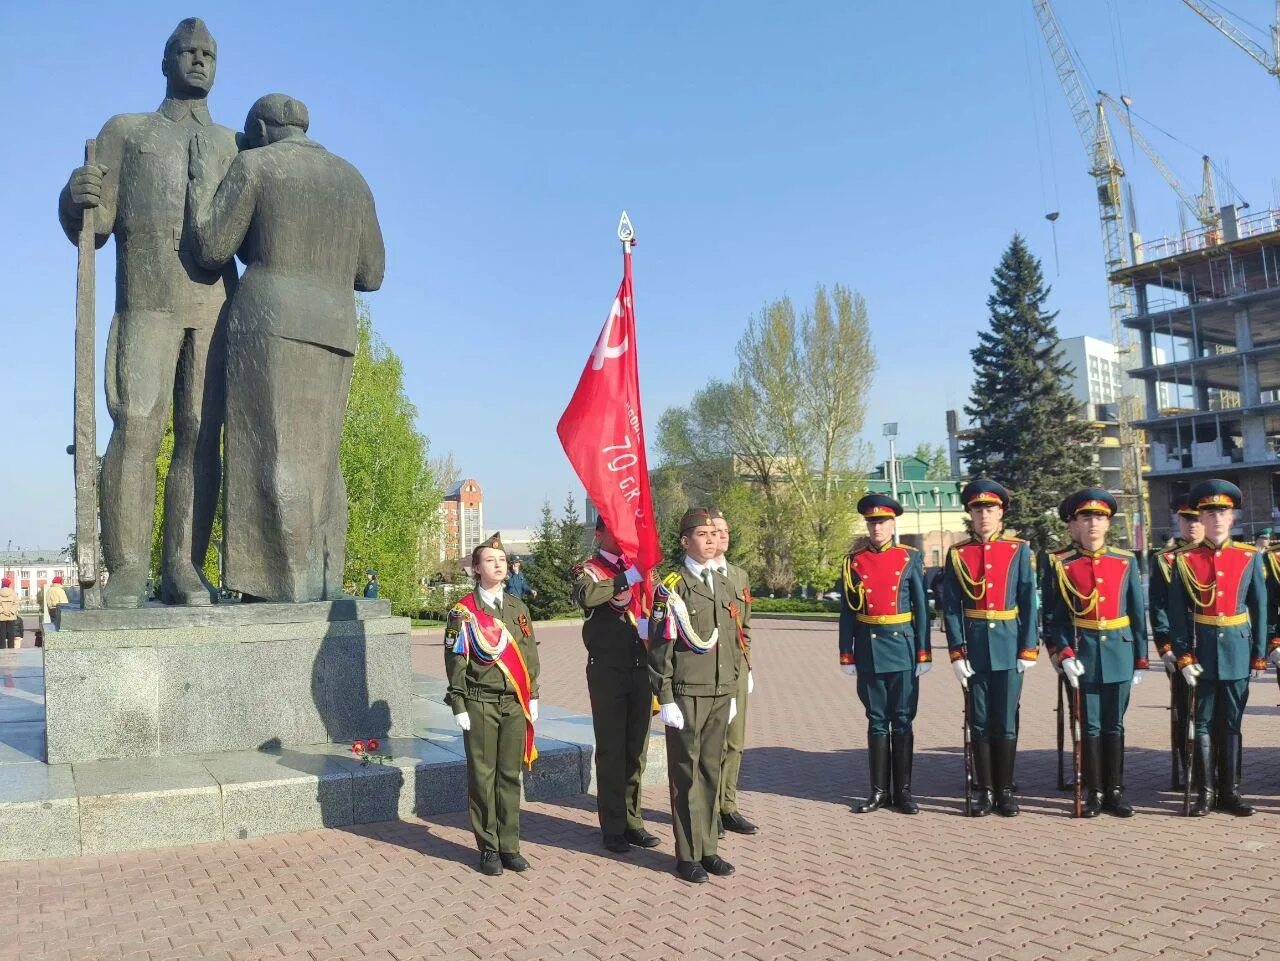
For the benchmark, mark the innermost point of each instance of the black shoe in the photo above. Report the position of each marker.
(1003, 752)
(1114, 801)
(736, 823)
(878, 762)
(982, 802)
(717, 865)
(691, 871)
(616, 843)
(1091, 804)
(490, 864)
(1229, 798)
(514, 861)
(1090, 777)
(1201, 769)
(903, 746)
(641, 838)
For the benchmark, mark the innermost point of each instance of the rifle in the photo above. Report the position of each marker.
(1076, 760)
(1060, 710)
(85, 447)
(1176, 746)
(1189, 748)
(968, 755)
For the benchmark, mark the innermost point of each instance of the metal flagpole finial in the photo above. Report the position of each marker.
(626, 233)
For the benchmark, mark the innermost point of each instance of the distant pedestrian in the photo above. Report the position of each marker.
(54, 597)
(9, 630)
(517, 584)
(371, 585)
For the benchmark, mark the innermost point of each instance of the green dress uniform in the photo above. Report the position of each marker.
(1218, 621)
(1095, 617)
(736, 735)
(496, 741)
(991, 615)
(884, 634)
(701, 681)
(621, 699)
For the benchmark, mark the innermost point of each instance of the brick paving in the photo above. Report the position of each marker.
(817, 882)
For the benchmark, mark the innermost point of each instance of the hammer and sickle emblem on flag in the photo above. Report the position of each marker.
(603, 350)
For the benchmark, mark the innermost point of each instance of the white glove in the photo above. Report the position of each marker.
(963, 671)
(533, 709)
(733, 709)
(463, 721)
(1024, 666)
(633, 575)
(1191, 672)
(1171, 661)
(923, 667)
(1274, 658)
(1137, 677)
(850, 669)
(642, 627)
(751, 683)
(1072, 670)
(671, 716)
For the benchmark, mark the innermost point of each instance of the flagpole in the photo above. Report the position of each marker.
(626, 233)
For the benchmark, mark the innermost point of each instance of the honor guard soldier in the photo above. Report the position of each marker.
(618, 683)
(1190, 533)
(990, 612)
(491, 659)
(1271, 576)
(736, 736)
(693, 663)
(1217, 624)
(1097, 631)
(884, 643)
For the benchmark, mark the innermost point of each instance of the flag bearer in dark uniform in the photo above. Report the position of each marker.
(694, 661)
(618, 683)
(736, 736)
(1217, 624)
(491, 660)
(990, 611)
(1097, 630)
(1271, 575)
(1190, 533)
(884, 643)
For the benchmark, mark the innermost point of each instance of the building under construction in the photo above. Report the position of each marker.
(1206, 308)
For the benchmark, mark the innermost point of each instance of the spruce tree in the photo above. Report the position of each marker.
(549, 570)
(1027, 432)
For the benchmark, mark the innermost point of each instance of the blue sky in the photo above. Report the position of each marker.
(760, 148)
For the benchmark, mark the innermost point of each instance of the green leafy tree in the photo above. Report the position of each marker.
(935, 456)
(1026, 430)
(392, 494)
(549, 569)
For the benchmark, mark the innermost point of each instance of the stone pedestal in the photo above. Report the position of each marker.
(170, 682)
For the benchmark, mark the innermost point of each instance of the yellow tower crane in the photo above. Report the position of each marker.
(1270, 60)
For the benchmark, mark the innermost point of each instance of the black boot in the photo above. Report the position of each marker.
(1113, 755)
(903, 747)
(1091, 776)
(1229, 798)
(1201, 771)
(878, 762)
(1003, 751)
(982, 804)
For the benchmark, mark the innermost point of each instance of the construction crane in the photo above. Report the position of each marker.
(1270, 60)
(1107, 173)
(1204, 206)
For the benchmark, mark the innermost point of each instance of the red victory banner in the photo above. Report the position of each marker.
(602, 430)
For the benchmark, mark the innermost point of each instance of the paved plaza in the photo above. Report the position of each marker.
(817, 882)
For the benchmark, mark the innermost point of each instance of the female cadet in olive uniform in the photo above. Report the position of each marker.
(1218, 628)
(1097, 632)
(491, 659)
(990, 611)
(884, 643)
(694, 661)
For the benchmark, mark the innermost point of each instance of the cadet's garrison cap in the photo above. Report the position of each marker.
(878, 506)
(1090, 500)
(495, 542)
(695, 517)
(1182, 507)
(1215, 493)
(984, 491)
